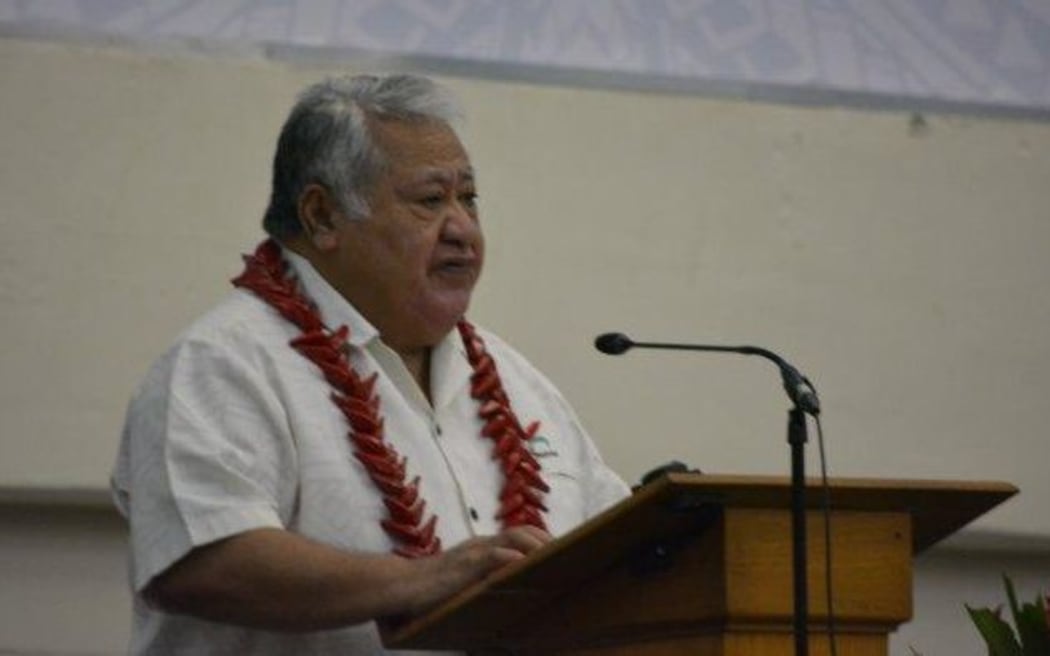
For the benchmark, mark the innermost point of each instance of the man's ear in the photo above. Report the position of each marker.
(319, 215)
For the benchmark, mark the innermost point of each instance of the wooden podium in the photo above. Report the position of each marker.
(701, 564)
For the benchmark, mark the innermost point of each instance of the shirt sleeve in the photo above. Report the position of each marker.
(206, 454)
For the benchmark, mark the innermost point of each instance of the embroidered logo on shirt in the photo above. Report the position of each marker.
(540, 447)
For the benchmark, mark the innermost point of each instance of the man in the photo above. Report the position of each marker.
(334, 442)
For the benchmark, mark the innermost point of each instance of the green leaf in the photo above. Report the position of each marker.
(1030, 620)
(1011, 596)
(996, 633)
(1031, 626)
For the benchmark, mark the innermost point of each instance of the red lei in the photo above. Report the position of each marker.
(406, 523)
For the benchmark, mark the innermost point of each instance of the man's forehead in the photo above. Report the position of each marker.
(442, 174)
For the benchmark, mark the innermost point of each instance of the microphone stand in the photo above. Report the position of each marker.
(797, 437)
(804, 400)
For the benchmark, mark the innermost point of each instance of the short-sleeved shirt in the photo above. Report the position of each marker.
(233, 430)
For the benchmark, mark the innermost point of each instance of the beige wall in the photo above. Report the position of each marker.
(63, 588)
(904, 269)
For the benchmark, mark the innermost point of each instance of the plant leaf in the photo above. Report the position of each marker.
(996, 633)
(1030, 620)
(1031, 626)
(1011, 596)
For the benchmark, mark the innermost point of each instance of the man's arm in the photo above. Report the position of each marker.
(277, 580)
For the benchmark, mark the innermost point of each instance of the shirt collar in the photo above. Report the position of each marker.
(449, 369)
(334, 309)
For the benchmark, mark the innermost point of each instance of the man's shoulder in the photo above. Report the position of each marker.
(500, 349)
(513, 364)
(239, 319)
(238, 329)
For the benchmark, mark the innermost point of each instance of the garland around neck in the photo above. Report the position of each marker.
(407, 523)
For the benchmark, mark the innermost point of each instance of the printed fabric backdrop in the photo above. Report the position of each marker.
(987, 53)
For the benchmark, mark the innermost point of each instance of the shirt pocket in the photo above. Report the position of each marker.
(565, 502)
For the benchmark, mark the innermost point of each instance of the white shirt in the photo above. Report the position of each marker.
(233, 430)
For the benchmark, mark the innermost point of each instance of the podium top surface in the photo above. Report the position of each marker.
(938, 508)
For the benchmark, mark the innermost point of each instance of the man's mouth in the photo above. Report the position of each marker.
(457, 266)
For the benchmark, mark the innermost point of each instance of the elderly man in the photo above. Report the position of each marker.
(334, 442)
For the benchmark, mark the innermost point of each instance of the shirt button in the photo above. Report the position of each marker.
(474, 514)
(437, 429)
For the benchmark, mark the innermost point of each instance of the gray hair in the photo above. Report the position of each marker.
(326, 140)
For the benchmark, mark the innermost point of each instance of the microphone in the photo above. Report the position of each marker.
(613, 343)
(801, 392)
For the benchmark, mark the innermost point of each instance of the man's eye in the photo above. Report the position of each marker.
(433, 201)
(469, 200)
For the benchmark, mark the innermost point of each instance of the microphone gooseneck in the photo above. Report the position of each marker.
(798, 388)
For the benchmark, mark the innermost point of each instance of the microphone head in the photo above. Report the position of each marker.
(613, 343)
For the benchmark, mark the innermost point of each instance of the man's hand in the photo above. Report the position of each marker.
(448, 573)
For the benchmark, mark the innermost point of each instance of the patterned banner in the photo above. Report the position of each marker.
(985, 52)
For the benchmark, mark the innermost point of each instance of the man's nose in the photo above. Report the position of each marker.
(461, 225)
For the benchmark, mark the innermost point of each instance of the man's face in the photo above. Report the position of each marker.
(410, 267)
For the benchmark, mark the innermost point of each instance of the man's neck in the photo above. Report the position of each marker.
(417, 361)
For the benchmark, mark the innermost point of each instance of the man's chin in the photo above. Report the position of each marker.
(440, 315)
